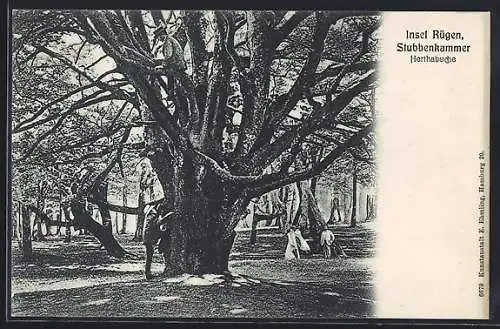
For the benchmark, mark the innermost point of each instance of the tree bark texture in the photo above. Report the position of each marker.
(26, 245)
(354, 199)
(200, 234)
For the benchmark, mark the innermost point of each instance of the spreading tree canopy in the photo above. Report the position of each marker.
(261, 90)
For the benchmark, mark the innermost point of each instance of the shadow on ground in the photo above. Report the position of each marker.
(80, 280)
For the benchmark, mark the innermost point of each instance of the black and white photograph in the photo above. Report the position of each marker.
(193, 164)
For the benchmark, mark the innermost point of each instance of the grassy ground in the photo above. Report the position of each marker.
(81, 280)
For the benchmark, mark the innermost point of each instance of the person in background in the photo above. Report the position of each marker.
(157, 216)
(327, 239)
(303, 245)
(335, 216)
(151, 191)
(292, 250)
(329, 244)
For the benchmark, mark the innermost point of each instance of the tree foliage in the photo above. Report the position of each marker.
(268, 98)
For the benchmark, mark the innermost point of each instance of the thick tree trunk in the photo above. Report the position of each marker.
(310, 215)
(316, 221)
(26, 234)
(301, 218)
(370, 207)
(197, 249)
(348, 208)
(200, 234)
(354, 199)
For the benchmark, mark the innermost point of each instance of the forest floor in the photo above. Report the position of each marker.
(78, 279)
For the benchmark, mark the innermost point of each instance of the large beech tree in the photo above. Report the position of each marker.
(260, 86)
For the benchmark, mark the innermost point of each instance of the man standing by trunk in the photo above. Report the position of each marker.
(152, 193)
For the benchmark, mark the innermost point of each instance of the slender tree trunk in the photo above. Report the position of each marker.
(335, 209)
(314, 184)
(48, 226)
(278, 208)
(40, 204)
(281, 196)
(116, 223)
(339, 213)
(314, 180)
(292, 205)
(139, 226)
(368, 215)
(82, 231)
(269, 208)
(84, 220)
(124, 215)
(253, 232)
(20, 223)
(255, 223)
(60, 201)
(354, 198)
(67, 216)
(27, 248)
(257, 218)
(16, 216)
(60, 215)
(373, 207)
(101, 198)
